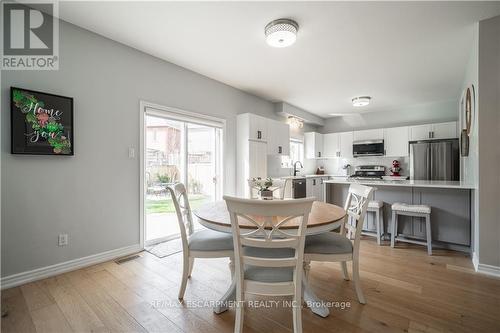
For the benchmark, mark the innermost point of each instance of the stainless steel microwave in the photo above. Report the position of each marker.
(368, 148)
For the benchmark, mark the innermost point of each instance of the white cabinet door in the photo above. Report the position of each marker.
(257, 127)
(278, 142)
(396, 141)
(257, 159)
(420, 132)
(309, 187)
(346, 139)
(331, 145)
(444, 130)
(313, 144)
(373, 134)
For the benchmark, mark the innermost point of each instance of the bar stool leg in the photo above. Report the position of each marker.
(394, 228)
(428, 232)
(377, 221)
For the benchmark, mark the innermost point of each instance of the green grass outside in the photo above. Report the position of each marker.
(166, 206)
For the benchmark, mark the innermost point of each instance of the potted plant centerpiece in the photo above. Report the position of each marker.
(263, 185)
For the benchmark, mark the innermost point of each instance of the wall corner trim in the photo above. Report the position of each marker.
(48, 271)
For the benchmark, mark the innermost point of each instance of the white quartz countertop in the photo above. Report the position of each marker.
(405, 183)
(306, 176)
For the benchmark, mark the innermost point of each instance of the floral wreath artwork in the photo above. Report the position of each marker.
(42, 123)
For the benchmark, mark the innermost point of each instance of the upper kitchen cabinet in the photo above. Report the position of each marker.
(337, 145)
(434, 131)
(278, 138)
(396, 141)
(444, 130)
(372, 134)
(313, 145)
(254, 125)
(331, 145)
(346, 139)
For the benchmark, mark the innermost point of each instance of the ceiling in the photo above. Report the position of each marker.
(400, 53)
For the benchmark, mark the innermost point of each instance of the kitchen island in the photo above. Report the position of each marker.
(450, 201)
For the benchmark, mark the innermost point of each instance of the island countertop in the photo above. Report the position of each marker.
(404, 183)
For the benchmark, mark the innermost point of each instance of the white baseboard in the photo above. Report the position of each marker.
(488, 270)
(48, 271)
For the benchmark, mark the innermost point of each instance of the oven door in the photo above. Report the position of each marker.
(368, 148)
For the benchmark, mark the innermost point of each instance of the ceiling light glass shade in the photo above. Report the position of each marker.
(281, 33)
(361, 101)
(295, 122)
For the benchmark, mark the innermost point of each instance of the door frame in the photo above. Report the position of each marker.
(181, 115)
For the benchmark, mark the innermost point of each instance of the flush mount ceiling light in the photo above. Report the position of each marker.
(281, 32)
(361, 101)
(295, 122)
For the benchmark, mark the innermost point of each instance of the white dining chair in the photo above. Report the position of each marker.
(337, 247)
(268, 255)
(196, 244)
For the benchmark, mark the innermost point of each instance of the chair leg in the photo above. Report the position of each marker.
(394, 228)
(185, 275)
(429, 234)
(297, 311)
(345, 274)
(238, 318)
(377, 223)
(357, 283)
(191, 264)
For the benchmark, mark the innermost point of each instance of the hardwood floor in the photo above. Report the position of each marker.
(406, 291)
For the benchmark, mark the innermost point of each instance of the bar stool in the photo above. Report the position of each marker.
(377, 207)
(423, 211)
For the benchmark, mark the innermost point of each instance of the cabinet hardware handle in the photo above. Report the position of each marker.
(280, 150)
(259, 134)
(319, 154)
(314, 181)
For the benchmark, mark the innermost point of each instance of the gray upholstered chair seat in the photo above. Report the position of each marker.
(268, 274)
(328, 243)
(210, 240)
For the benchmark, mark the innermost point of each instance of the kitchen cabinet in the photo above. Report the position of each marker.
(331, 145)
(372, 134)
(346, 139)
(278, 138)
(396, 141)
(251, 150)
(444, 130)
(257, 126)
(434, 131)
(313, 145)
(315, 188)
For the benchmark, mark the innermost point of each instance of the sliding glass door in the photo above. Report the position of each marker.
(178, 151)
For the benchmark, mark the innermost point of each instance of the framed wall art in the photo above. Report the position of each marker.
(41, 123)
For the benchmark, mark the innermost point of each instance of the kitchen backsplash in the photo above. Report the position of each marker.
(334, 166)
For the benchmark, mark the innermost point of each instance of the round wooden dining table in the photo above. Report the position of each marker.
(324, 217)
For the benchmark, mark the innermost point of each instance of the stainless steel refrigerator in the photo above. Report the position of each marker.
(434, 160)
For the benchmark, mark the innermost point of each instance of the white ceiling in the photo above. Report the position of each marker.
(400, 53)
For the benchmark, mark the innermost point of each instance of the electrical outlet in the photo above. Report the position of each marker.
(62, 240)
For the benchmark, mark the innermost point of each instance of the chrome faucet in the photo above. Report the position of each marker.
(295, 167)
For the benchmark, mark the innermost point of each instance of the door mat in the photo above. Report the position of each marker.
(165, 249)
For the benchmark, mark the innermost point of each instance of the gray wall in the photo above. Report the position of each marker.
(489, 139)
(411, 115)
(469, 164)
(94, 196)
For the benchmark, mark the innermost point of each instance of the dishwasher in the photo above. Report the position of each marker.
(299, 188)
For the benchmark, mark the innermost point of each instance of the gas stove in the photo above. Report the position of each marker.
(368, 172)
